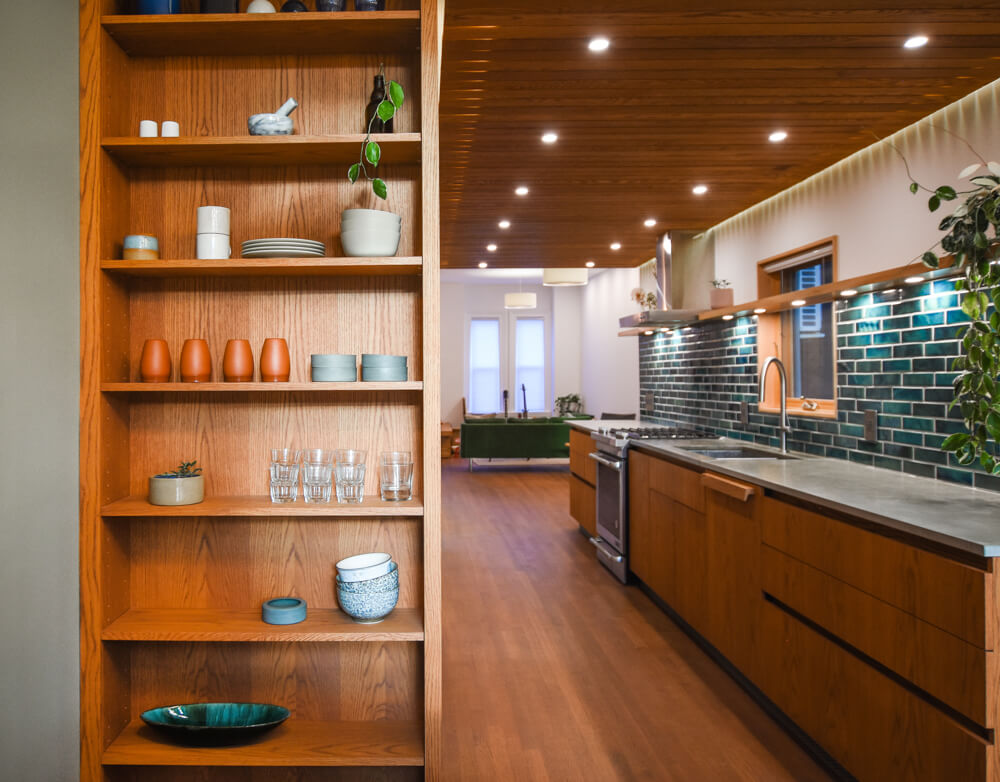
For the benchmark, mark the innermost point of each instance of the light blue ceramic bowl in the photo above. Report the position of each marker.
(334, 374)
(383, 374)
(141, 242)
(382, 360)
(333, 360)
(369, 601)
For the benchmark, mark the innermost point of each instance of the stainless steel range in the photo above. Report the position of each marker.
(612, 445)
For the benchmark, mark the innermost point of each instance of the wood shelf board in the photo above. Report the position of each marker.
(264, 34)
(245, 625)
(256, 507)
(268, 267)
(248, 150)
(258, 388)
(294, 743)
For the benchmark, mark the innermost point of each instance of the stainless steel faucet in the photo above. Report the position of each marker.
(783, 426)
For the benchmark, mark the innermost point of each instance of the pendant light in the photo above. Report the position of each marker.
(519, 300)
(564, 277)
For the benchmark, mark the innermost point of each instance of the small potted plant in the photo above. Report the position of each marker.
(721, 295)
(183, 486)
(567, 405)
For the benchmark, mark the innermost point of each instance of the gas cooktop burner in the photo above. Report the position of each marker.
(657, 433)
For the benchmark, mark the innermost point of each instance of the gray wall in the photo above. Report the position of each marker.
(39, 357)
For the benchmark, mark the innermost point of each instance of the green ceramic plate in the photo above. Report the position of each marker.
(215, 723)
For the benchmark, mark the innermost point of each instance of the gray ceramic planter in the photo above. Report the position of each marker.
(177, 491)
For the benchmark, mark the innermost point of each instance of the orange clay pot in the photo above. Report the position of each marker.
(196, 361)
(275, 365)
(155, 365)
(237, 361)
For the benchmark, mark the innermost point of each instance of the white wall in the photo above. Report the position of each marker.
(609, 364)
(864, 199)
(39, 348)
(567, 340)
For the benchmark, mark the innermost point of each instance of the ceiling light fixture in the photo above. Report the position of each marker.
(549, 138)
(648, 333)
(778, 135)
(664, 331)
(798, 302)
(849, 292)
(760, 310)
(616, 245)
(590, 264)
(727, 317)
(699, 189)
(913, 280)
(521, 191)
(483, 264)
(519, 301)
(915, 42)
(491, 248)
(649, 222)
(564, 277)
(504, 224)
(599, 44)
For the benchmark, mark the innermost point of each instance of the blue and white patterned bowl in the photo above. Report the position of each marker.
(369, 601)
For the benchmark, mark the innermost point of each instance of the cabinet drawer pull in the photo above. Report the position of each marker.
(735, 489)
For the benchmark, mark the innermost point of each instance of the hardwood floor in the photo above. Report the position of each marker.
(554, 671)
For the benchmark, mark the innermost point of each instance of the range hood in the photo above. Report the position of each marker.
(665, 314)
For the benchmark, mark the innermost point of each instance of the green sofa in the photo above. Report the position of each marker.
(516, 438)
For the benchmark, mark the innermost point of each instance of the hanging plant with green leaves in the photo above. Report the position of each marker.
(371, 152)
(972, 241)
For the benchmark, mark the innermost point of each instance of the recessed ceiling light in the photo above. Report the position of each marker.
(483, 264)
(649, 222)
(778, 135)
(549, 138)
(598, 44)
(915, 42)
(616, 245)
(849, 292)
(647, 333)
(491, 247)
(505, 224)
(727, 317)
(589, 264)
(760, 311)
(664, 331)
(521, 191)
(687, 328)
(699, 189)
(891, 290)
(798, 302)
(913, 280)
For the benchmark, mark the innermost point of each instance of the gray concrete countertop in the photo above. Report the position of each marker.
(958, 517)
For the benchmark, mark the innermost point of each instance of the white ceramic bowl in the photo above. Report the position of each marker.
(375, 215)
(364, 567)
(363, 244)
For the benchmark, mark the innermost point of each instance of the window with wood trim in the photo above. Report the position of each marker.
(804, 337)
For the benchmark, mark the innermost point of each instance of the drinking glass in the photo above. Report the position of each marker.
(396, 476)
(285, 474)
(349, 471)
(317, 475)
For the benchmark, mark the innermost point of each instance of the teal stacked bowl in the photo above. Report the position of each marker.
(376, 367)
(334, 367)
(369, 601)
(215, 723)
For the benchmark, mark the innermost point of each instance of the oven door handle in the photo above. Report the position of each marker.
(614, 465)
(601, 545)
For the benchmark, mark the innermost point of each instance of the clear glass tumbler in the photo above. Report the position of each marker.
(285, 474)
(396, 476)
(317, 475)
(349, 473)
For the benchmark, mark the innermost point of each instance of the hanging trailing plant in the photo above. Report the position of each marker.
(972, 242)
(371, 152)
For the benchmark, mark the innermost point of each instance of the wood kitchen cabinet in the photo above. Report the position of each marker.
(582, 481)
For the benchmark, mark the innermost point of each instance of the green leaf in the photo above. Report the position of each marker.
(946, 193)
(970, 305)
(955, 441)
(933, 202)
(354, 172)
(980, 240)
(914, 187)
(930, 260)
(373, 153)
(396, 94)
(385, 111)
(993, 425)
(379, 188)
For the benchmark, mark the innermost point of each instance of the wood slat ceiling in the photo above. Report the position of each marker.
(687, 93)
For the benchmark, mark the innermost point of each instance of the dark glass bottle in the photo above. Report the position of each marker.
(378, 95)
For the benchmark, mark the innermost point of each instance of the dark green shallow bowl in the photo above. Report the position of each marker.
(215, 723)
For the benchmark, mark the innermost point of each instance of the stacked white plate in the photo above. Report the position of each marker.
(283, 248)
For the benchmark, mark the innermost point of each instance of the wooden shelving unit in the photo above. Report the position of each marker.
(170, 596)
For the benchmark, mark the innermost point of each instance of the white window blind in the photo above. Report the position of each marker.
(484, 365)
(529, 362)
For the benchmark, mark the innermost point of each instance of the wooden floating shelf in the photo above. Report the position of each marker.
(269, 267)
(216, 35)
(358, 387)
(262, 507)
(397, 148)
(294, 743)
(245, 625)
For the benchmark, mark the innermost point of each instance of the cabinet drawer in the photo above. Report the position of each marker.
(581, 504)
(580, 464)
(950, 669)
(678, 483)
(874, 727)
(947, 594)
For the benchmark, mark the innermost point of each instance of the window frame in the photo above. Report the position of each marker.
(547, 358)
(467, 369)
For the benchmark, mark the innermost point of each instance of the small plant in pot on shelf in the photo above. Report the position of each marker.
(720, 295)
(971, 243)
(373, 232)
(568, 405)
(183, 486)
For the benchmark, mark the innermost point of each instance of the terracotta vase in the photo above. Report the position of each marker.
(718, 298)
(275, 365)
(237, 361)
(155, 365)
(196, 361)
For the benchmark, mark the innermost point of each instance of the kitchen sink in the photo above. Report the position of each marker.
(737, 452)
